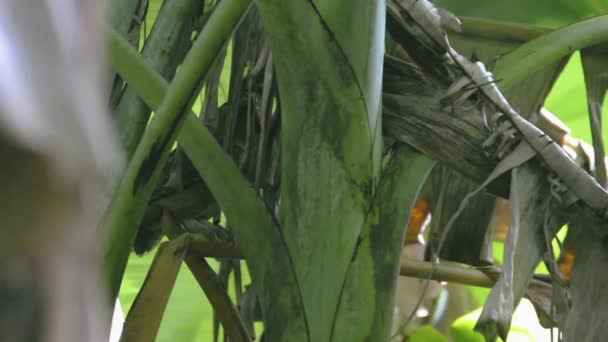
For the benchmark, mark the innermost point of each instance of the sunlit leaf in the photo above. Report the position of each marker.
(525, 328)
(427, 334)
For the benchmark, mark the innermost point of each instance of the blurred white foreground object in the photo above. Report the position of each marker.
(57, 151)
(118, 321)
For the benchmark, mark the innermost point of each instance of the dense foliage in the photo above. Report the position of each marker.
(328, 170)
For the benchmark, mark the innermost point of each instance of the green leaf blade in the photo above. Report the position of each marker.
(328, 157)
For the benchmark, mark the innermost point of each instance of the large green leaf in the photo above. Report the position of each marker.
(367, 302)
(327, 142)
(360, 33)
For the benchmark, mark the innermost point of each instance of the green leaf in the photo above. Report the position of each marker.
(531, 56)
(462, 328)
(329, 156)
(164, 50)
(367, 302)
(120, 13)
(426, 333)
(268, 259)
(364, 47)
(525, 327)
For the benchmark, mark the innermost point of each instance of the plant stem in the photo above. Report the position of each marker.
(254, 226)
(503, 30)
(131, 198)
(444, 272)
(531, 56)
(164, 49)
